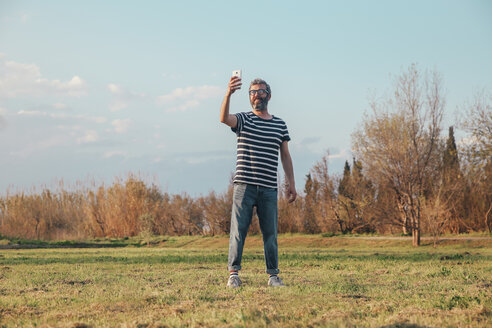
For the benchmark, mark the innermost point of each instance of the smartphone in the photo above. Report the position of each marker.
(237, 73)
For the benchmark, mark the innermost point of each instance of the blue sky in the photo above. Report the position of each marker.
(98, 89)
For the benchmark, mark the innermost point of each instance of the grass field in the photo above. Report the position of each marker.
(180, 281)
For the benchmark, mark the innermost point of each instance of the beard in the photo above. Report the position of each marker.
(261, 105)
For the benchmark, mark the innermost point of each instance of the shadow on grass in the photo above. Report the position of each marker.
(18, 243)
(63, 245)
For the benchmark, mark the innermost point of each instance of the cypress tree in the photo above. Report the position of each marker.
(453, 190)
(450, 156)
(344, 186)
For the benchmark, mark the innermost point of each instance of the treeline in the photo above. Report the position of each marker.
(404, 178)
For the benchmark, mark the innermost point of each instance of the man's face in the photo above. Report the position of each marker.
(258, 97)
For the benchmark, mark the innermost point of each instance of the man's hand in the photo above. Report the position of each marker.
(225, 117)
(234, 84)
(289, 171)
(292, 193)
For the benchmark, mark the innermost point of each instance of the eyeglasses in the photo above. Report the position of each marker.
(260, 92)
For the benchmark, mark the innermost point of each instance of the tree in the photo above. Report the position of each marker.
(345, 203)
(363, 198)
(344, 185)
(310, 200)
(449, 195)
(398, 143)
(450, 159)
(354, 201)
(290, 215)
(477, 152)
(478, 123)
(326, 196)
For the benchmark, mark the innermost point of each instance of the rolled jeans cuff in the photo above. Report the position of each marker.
(272, 271)
(234, 268)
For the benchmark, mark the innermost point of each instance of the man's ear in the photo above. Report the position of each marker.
(269, 96)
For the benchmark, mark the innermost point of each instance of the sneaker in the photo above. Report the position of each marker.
(234, 281)
(275, 281)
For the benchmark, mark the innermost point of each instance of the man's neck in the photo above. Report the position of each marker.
(264, 114)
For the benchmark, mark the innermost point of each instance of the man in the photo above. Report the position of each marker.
(260, 136)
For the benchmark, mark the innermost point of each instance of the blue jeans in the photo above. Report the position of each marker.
(244, 199)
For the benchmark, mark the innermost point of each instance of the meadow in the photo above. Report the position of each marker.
(331, 281)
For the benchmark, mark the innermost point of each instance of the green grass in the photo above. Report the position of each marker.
(180, 281)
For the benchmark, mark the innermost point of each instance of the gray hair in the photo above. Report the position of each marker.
(260, 81)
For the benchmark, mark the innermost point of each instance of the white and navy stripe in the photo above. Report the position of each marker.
(258, 144)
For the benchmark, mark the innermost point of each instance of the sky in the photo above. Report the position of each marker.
(97, 90)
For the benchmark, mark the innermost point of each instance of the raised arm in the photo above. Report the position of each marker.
(225, 117)
(289, 171)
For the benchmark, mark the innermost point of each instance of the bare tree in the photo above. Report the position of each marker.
(398, 142)
(325, 199)
(437, 212)
(478, 123)
(478, 156)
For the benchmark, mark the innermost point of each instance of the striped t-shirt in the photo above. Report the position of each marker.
(258, 144)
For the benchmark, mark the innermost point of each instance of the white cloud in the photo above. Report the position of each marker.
(17, 79)
(113, 153)
(114, 88)
(69, 127)
(189, 97)
(310, 140)
(311, 144)
(117, 105)
(75, 87)
(202, 92)
(89, 137)
(121, 125)
(344, 154)
(188, 104)
(31, 113)
(51, 142)
(95, 119)
(122, 98)
(59, 115)
(59, 106)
